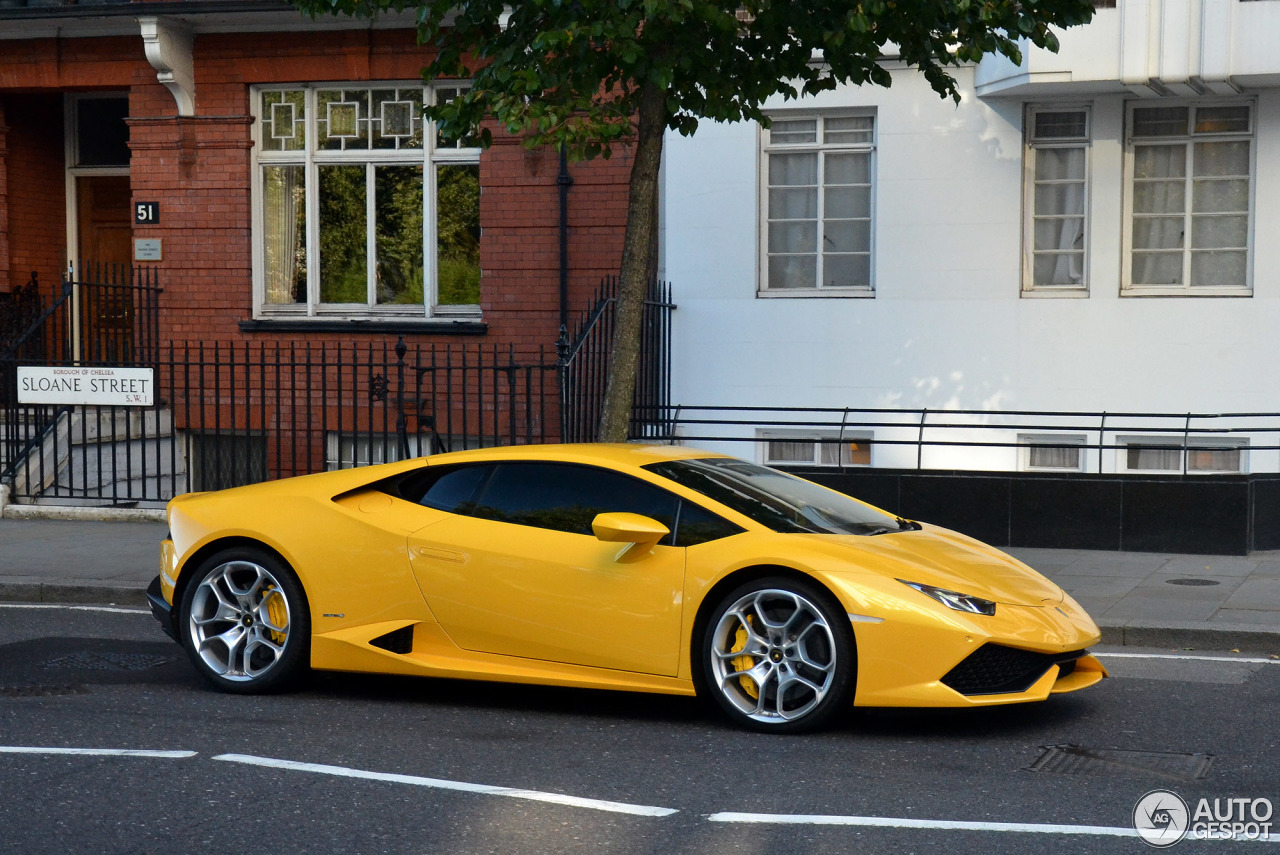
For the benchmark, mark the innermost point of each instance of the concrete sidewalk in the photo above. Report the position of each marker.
(1138, 598)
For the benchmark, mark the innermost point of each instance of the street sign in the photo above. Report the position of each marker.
(100, 387)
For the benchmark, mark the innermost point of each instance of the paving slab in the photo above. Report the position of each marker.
(1256, 594)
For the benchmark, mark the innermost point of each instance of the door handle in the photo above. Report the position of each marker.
(440, 554)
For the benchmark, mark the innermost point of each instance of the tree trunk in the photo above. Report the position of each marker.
(638, 267)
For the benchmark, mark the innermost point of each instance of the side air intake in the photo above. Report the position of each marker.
(396, 641)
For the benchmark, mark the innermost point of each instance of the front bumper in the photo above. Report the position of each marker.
(160, 609)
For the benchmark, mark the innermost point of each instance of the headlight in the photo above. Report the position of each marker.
(954, 600)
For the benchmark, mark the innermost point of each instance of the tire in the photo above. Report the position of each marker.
(777, 655)
(245, 622)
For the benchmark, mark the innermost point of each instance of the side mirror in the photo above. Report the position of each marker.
(640, 531)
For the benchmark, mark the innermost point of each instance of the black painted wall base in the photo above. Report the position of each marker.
(1203, 515)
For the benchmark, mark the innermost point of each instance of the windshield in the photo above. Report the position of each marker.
(775, 499)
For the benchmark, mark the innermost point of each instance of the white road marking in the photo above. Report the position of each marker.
(97, 752)
(936, 824)
(900, 822)
(1249, 660)
(461, 786)
(117, 610)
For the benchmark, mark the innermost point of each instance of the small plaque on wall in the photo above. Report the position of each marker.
(146, 213)
(146, 249)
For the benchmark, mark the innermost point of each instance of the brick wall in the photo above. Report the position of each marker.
(199, 168)
(4, 201)
(35, 186)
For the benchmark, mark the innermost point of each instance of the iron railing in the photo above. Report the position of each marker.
(117, 314)
(230, 414)
(20, 310)
(585, 360)
(998, 440)
(109, 315)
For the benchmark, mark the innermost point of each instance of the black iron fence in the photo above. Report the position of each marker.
(108, 314)
(230, 414)
(983, 440)
(117, 314)
(235, 413)
(585, 363)
(20, 309)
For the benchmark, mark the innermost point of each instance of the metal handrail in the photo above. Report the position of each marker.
(929, 428)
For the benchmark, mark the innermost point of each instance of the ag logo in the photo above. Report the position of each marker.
(1161, 818)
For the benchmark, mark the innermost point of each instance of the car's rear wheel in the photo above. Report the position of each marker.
(245, 623)
(777, 655)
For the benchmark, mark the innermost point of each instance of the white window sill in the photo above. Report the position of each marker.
(1047, 292)
(454, 325)
(1158, 291)
(809, 293)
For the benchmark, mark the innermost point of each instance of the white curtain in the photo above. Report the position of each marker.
(284, 234)
(1159, 214)
(1059, 216)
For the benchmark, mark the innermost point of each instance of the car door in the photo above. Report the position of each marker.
(516, 571)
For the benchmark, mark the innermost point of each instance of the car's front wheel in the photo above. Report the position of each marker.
(244, 622)
(777, 655)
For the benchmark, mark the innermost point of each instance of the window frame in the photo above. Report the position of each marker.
(1197, 443)
(1028, 441)
(765, 148)
(342, 449)
(1187, 289)
(429, 157)
(1030, 145)
(766, 437)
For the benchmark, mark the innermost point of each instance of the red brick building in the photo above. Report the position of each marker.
(276, 178)
(262, 138)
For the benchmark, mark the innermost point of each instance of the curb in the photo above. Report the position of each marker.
(73, 593)
(63, 512)
(1192, 636)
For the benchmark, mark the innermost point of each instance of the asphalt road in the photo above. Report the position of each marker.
(414, 766)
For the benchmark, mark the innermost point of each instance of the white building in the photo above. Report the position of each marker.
(1094, 230)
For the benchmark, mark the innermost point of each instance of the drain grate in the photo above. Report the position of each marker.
(87, 661)
(1081, 760)
(1194, 583)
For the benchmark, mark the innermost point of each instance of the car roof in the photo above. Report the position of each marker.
(629, 454)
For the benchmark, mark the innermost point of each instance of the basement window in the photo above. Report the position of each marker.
(815, 448)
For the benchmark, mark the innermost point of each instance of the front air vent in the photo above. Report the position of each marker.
(396, 641)
(994, 669)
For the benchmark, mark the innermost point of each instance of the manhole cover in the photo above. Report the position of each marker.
(91, 662)
(1194, 583)
(88, 661)
(1081, 760)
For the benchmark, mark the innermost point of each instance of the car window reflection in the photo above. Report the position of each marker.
(777, 500)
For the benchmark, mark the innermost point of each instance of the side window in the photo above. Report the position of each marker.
(565, 497)
(445, 489)
(699, 525)
(453, 490)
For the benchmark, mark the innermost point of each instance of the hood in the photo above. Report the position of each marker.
(947, 559)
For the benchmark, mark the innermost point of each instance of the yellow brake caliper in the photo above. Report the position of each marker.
(277, 612)
(745, 662)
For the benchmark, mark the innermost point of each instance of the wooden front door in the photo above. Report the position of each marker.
(106, 300)
(105, 224)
